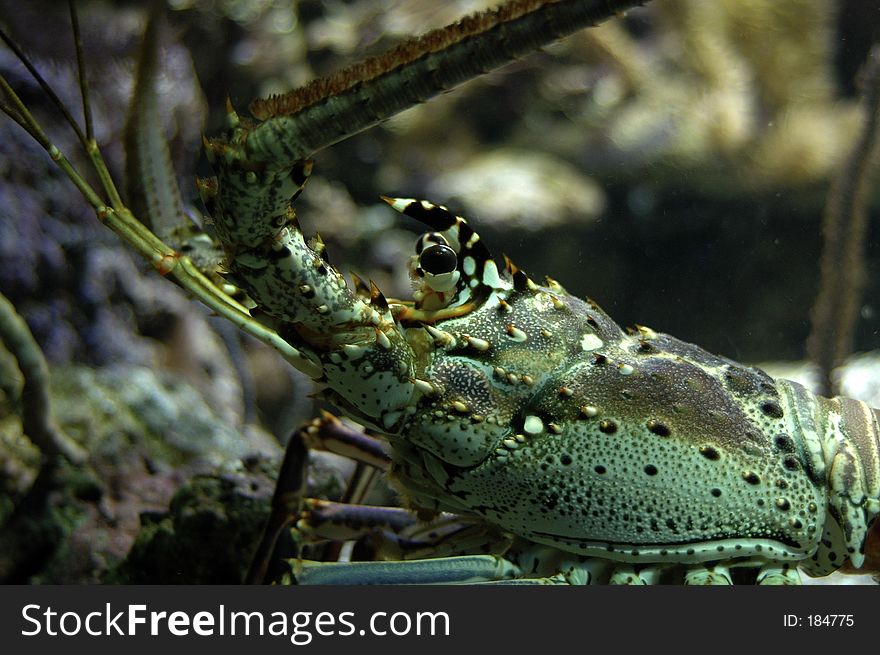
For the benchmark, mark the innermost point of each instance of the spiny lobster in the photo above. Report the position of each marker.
(536, 440)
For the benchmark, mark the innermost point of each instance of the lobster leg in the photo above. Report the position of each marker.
(778, 574)
(627, 575)
(706, 575)
(465, 569)
(397, 532)
(330, 434)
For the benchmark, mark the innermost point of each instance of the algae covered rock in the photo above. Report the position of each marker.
(146, 433)
(208, 534)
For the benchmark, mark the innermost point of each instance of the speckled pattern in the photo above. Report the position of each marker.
(645, 447)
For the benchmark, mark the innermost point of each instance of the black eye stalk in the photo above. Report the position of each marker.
(438, 259)
(437, 262)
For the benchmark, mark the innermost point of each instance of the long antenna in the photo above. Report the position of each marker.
(331, 109)
(81, 67)
(19, 53)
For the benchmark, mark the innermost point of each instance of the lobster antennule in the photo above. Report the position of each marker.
(436, 217)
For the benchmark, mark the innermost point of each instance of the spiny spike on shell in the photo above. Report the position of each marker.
(360, 287)
(207, 187)
(382, 339)
(554, 285)
(232, 118)
(213, 148)
(521, 281)
(317, 244)
(427, 388)
(477, 344)
(461, 407)
(353, 351)
(377, 298)
(441, 338)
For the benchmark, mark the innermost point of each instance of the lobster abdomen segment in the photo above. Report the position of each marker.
(842, 434)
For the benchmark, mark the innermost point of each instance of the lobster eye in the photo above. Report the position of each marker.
(438, 259)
